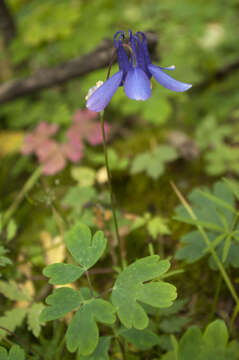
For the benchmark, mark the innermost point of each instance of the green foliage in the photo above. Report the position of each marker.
(130, 288)
(222, 159)
(216, 213)
(213, 344)
(100, 352)
(61, 301)
(83, 333)
(12, 291)
(170, 321)
(115, 162)
(210, 134)
(11, 320)
(153, 163)
(220, 156)
(155, 225)
(11, 229)
(76, 198)
(15, 353)
(34, 323)
(85, 249)
(4, 260)
(85, 176)
(61, 274)
(142, 339)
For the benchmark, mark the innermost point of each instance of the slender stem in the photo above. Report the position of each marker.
(215, 300)
(111, 190)
(90, 284)
(212, 250)
(26, 188)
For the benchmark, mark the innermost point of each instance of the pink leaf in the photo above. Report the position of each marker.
(52, 157)
(37, 137)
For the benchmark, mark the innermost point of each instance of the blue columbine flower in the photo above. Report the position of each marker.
(135, 72)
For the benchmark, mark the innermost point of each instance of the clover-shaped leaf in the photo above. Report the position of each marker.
(130, 288)
(153, 163)
(62, 301)
(85, 249)
(83, 333)
(61, 274)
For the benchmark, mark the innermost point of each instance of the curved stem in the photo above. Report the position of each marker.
(215, 300)
(111, 190)
(26, 188)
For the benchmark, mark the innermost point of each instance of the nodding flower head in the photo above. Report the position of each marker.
(135, 72)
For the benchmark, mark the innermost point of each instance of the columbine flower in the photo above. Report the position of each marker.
(134, 73)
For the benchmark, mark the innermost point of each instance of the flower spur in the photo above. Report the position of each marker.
(134, 73)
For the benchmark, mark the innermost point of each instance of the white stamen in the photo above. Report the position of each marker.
(93, 89)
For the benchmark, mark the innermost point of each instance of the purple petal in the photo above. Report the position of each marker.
(145, 47)
(141, 57)
(137, 84)
(102, 96)
(121, 33)
(166, 80)
(123, 59)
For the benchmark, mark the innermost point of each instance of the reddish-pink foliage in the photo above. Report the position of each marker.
(38, 137)
(53, 155)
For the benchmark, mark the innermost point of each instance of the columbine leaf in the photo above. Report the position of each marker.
(85, 249)
(83, 332)
(100, 352)
(153, 163)
(158, 226)
(12, 291)
(61, 301)
(141, 339)
(33, 321)
(61, 274)
(129, 288)
(77, 197)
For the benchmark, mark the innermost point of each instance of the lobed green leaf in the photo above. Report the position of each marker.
(83, 333)
(85, 249)
(129, 290)
(61, 274)
(61, 301)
